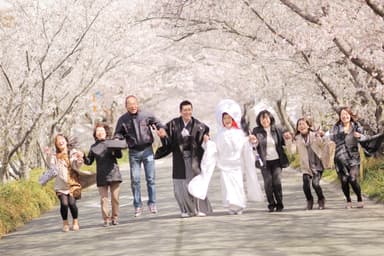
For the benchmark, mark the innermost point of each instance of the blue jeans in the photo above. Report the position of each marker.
(136, 157)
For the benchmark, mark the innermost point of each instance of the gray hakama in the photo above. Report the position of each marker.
(187, 203)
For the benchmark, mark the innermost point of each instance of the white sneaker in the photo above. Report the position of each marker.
(138, 212)
(185, 215)
(201, 214)
(231, 212)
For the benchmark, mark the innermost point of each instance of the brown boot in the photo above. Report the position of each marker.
(309, 204)
(65, 226)
(75, 225)
(321, 204)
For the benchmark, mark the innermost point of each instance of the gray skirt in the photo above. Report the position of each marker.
(187, 203)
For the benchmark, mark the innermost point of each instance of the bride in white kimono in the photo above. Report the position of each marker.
(232, 154)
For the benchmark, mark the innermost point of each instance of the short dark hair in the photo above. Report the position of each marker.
(106, 127)
(185, 103)
(129, 96)
(264, 113)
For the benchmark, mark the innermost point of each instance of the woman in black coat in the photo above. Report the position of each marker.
(269, 142)
(108, 174)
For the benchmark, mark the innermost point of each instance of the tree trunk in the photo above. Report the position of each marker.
(284, 117)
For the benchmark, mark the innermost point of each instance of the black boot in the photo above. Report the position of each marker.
(310, 204)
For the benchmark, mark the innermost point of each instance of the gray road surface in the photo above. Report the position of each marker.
(295, 231)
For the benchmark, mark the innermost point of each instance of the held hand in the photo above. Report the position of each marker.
(252, 139)
(161, 133)
(287, 136)
(320, 133)
(206, 138)
(47, 151)
(356, 135)
(79, 154)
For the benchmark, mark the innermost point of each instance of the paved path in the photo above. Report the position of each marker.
(333, 231)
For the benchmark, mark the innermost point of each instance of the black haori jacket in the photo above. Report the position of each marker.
(173, 144)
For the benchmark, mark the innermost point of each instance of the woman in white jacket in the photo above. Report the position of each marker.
(232, 154)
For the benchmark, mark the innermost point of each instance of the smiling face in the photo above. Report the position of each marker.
(132, 105)
(302, 127)
(100, 133)
(227, 121)
(186, 112)
(265, 121)
(61, 143)
(345, 117)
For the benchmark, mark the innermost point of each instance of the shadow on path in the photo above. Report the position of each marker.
(295, 231)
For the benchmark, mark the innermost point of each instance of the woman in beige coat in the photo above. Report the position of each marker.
(64, 166)
(311, 148)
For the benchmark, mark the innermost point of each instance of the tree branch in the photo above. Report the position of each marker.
(6, 78)
(379, 10)
(364, 65)
(77, 44)
(308, 17)
(291, 43)
(26, 135)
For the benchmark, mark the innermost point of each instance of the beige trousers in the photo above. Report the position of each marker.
(104, 201)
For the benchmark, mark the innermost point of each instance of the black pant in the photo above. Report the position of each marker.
(272, 184)
(349, 177)
(67, 201)
(315, 184)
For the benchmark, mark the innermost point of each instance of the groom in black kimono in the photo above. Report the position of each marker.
(185, 137)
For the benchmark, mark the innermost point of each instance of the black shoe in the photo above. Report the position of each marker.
(279, 208)
(321, 204)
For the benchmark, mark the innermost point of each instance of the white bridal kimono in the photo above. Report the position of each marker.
(232, 154)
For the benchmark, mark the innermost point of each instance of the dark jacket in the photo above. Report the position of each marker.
(135, 128)
(106, 164)
(173, 143)
(277, 135)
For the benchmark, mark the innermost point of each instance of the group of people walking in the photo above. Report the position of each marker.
(195, 155)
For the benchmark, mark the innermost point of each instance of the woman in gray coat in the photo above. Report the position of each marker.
(346, 134)
(108, 174)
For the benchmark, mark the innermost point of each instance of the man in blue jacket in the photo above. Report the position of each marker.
(136, 127)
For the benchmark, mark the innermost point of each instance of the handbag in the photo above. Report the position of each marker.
(74, 184)
(47, 176)
(116, 144)
(75, 191)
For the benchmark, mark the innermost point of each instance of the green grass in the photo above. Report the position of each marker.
(373, 182)
(21, 201)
